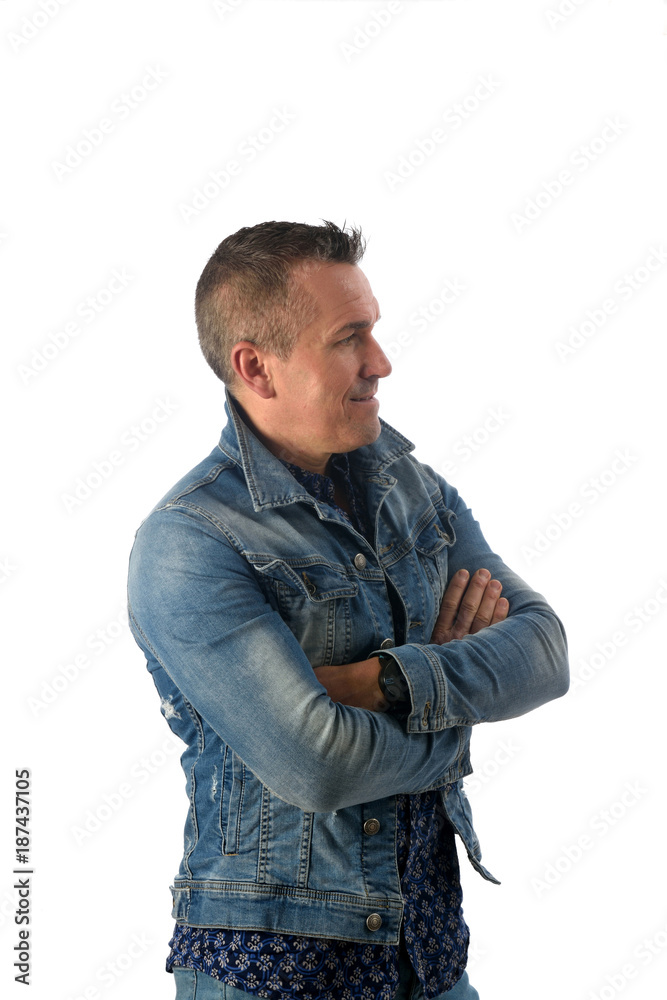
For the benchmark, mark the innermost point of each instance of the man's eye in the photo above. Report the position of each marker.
(347, 340)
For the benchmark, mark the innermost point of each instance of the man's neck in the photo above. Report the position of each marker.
(283, 451)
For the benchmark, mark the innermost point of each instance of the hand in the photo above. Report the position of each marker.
(354, 684)
(469, 606)
(466, 608)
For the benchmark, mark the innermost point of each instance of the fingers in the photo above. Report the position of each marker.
(469, 605)
(501, 611)
(477, 606)
(492, 607)
(449, 607)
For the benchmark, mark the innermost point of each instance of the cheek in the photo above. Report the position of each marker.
(331, 392)
(322, 393)
(301, 392)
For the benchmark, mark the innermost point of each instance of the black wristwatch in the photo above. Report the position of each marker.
(392, 683)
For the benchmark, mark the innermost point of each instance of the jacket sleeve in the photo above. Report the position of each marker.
(197, 612)
(500, 672)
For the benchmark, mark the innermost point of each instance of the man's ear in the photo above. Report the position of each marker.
(252, 366)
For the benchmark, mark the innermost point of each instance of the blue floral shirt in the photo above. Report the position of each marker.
(436, 936)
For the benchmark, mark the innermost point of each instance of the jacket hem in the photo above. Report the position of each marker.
(287, 910)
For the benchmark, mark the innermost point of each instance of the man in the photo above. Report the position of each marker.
(323, 622)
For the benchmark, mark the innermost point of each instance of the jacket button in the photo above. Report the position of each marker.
(360, 560)
(387, 644)
(371, 827)
(374, 922)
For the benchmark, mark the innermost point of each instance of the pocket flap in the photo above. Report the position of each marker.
(435, 537)
(317, 581)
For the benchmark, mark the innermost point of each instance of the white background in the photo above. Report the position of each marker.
(567, 479)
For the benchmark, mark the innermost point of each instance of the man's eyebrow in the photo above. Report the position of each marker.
(357, 324)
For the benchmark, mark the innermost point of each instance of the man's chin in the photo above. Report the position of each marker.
(366, 434)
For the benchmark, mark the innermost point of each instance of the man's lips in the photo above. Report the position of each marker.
(362, 399)
(366, 398)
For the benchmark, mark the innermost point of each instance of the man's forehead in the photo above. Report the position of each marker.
(336, 289)
(329, 274)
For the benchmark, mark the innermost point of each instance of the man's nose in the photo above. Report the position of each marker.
(376, 363)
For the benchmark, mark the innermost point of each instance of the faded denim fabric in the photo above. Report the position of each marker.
(240, 584)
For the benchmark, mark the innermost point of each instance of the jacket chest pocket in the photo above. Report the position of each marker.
(314, 599)
(432, 547)
(431, 567)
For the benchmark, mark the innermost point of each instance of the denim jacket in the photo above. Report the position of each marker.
(241, 585)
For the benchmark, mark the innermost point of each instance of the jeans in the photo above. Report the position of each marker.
(410, 988)
(192, 985)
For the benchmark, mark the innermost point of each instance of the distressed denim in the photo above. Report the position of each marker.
(241, 585)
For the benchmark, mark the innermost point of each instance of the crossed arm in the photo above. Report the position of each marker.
(468, 606)
(213, 641)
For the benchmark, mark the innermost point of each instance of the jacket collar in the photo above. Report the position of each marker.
(270, 484)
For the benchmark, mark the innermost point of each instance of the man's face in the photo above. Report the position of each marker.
(324, 399)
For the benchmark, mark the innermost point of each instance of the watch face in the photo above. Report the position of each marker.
(391, 680)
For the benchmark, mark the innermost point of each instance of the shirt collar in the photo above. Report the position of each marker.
(320, 485)
(270, 483)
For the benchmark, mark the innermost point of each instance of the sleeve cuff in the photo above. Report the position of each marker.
(426, 684)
